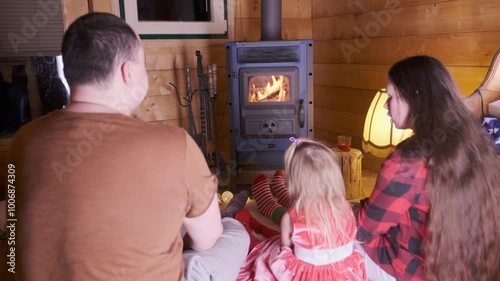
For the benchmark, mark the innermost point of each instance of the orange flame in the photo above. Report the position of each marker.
(274, 90)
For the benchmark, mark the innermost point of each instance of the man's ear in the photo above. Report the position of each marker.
(126, 72)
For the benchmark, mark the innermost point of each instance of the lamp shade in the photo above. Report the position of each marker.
(380, 136)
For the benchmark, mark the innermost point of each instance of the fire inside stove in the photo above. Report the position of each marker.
(274, 88)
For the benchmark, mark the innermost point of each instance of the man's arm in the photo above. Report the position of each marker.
(205, 229)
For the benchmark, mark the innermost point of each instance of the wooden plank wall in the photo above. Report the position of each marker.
(72, 9)
(357, 41)
(355, 44)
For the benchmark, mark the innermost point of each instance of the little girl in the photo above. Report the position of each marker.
(317, 230)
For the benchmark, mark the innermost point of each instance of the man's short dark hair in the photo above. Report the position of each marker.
(93, 45)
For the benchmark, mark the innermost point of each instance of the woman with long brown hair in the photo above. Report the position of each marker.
(434, 213)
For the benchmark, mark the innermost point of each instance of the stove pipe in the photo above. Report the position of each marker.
(270, 27)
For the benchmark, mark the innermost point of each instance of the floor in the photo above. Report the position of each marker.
(246, 177)
(368, 182)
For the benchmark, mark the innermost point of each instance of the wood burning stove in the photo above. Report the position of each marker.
(270, 99)
(270, 96)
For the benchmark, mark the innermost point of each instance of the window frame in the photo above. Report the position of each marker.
(216, 29)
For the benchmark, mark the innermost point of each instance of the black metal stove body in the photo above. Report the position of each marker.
(270, 99)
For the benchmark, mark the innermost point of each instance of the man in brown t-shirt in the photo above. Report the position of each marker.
(101, 195)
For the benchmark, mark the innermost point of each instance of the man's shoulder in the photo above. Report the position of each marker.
(37, 124)
(108, 123)
(163, 129)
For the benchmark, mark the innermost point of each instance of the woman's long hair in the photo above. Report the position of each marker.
(463, 234)
(315, 184)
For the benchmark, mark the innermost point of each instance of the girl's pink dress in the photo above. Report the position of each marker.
(304, 261)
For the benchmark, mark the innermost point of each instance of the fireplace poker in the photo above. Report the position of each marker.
(207, 91)
(219, 160)
(211, 93)
(189, 98)
(207, 80)
(202, 93)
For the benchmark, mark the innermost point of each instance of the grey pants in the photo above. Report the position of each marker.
(223, 261)
(373, 270)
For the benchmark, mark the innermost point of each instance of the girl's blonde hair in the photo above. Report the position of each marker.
(316, 187)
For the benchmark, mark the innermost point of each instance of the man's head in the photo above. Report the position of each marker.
(94, 45)
(103, 51)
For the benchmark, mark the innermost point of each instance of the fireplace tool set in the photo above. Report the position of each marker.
(207, 92)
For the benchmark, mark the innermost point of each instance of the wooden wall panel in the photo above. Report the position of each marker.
(105, 6)
(358, 76)
(344, 122)
(297, 9)
(439, 18)
(468, 78)
(291, 29)
(357, 41)
(159, 81)
(160, 55)
(166, 62)
(463, 49)
(166, 107)
(343, 99)
(72, 9)
(325, 8)
(292, 9)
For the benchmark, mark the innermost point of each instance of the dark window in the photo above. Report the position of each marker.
(29, 87)
(174, 10)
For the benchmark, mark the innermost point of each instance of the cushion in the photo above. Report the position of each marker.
(492, 126)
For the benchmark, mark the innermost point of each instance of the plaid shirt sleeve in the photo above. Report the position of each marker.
(392, 224)
(391, 198)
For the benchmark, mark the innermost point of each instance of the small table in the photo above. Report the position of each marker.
(350, 167)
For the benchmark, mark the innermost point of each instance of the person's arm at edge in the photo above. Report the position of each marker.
(204, 230)
(286, 230)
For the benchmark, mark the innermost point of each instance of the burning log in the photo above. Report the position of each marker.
(269, 89)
